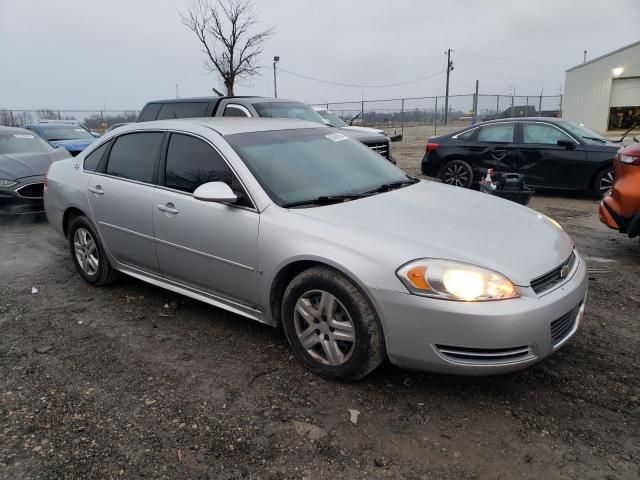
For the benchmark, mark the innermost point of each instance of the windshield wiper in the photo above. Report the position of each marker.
(596, 139)
(325, 200)
(385, 187)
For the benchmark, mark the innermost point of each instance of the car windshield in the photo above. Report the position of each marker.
(334, 119)
(587, 136)
(288, 110)
(16, 142)
(295, 166)
(66, 132)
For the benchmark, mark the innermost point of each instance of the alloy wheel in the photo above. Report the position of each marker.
(324, 328)
(457, 175)
(86, 251)
(606, 181)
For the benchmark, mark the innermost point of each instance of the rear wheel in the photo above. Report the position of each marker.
(88, 254)
(457, 173)
(604, 181)
(330, 325)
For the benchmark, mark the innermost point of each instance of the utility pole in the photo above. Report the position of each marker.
(584, 60)
(446, 95)
(475, 103)
(276, 59)
(177, 96)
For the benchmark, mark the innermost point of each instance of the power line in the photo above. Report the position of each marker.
(361, 86)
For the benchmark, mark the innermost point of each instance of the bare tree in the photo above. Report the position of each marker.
(224, 29)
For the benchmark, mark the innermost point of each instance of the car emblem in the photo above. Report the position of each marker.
(564, 271)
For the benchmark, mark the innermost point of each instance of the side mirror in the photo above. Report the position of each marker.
(218, 192)
(568, 144)
(96, 134)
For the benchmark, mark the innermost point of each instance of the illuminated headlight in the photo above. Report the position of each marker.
(7, 183)
(455, 281)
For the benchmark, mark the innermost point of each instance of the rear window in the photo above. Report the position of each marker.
(149, 112)
(92, 160)
(134, 156)
(182, 110)
(18, 142)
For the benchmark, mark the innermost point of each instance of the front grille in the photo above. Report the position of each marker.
(555, 276)
(485, 356)
(32, 190)
(381, 148)
(562, 327)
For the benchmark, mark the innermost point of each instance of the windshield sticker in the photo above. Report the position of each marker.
(19, 135)
(336, 137)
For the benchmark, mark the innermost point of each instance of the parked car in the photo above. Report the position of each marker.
(244, 107)
(291, 223)
(70, 135)
(550, 153)
(332, 119)
(24, 160)
(620, 208)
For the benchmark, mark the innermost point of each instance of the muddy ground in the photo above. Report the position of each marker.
(132, 381)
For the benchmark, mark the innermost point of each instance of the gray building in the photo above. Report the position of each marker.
(604, 93)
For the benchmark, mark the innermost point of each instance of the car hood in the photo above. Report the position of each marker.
(367, 138)
(73, 145)
(365, 129)
(14, 166)
(433, 220)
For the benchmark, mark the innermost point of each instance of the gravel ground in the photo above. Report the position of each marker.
(132, 381)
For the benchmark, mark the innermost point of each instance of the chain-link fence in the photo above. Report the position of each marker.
(97, 120)
(459, 110)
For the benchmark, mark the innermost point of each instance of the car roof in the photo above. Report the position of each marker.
(213, 98)
(224, 125)
(4, 129)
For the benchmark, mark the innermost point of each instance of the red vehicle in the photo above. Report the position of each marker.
(620, 207)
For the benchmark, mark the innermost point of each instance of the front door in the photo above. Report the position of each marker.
(545, 163)
(206, 245)
(121, 199)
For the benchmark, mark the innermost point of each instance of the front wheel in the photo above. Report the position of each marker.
(604, 181)
(457, 173)
(88, 254)
(330, 325)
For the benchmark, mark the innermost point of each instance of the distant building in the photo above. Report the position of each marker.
(604, 93)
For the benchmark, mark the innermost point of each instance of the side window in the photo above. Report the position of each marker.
(541, 133)
(92, 160)
(134, 156)
(466, 135)
(182, 110)
(498, 133)
(233, 111)
(149, 112)
(191, 162)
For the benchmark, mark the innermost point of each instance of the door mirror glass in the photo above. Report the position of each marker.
(566, 144)
(215, 192)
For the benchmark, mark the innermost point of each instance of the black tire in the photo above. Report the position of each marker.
(365, 353)
(603, 181)
(104, 273)
(457, 173)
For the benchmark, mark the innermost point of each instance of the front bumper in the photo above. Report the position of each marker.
(24, 198)
(480, 338)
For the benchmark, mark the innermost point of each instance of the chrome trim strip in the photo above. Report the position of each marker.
(569, 276)
(180, 247)
(203, 254)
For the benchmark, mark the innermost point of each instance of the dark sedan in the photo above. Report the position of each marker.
(550, 153)
(24, 161)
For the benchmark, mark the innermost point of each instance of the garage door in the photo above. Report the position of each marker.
(625, 92)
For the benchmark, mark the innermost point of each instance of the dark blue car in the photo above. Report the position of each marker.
(70, 135)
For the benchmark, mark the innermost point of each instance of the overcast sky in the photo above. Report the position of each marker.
(77, 54)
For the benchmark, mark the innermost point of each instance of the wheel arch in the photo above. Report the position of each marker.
(602, 167)
(70, 214)
(287, 272)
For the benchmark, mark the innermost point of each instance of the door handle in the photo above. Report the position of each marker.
(97, 190)
(168, 208)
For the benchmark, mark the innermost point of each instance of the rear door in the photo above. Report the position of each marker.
(120, 195)
(493, 146)
(206, 245)
(544, 163)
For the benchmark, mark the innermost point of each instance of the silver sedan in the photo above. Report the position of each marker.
(291, 223)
